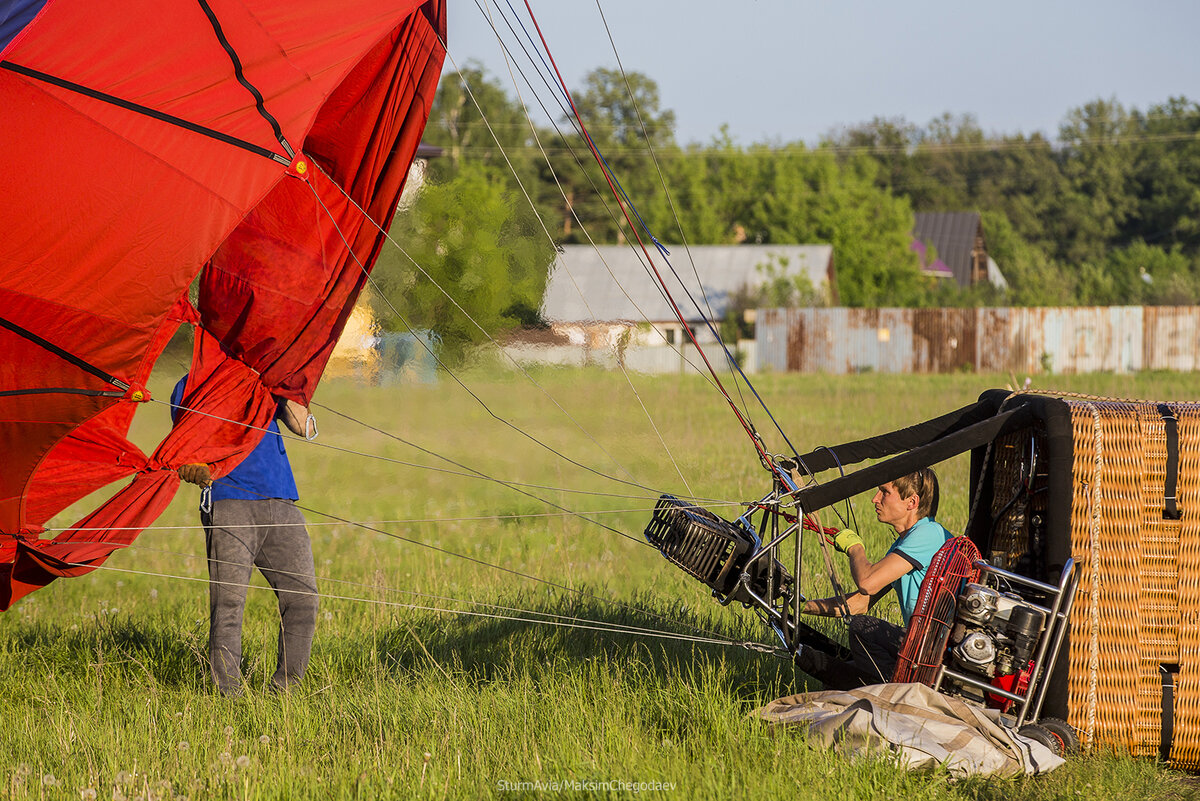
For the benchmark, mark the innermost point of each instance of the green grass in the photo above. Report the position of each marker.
(105, 686)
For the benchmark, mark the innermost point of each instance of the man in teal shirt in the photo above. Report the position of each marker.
(908, 505)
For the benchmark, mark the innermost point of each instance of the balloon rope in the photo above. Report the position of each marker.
(749, 429)
(547, 619)
(562, 263)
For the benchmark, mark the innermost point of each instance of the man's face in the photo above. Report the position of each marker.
(890, 508)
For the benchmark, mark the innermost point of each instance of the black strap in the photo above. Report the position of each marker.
(1168, 674)
(137, 108)
(259, 103)
(87, 367)
(1171, 424)
(100, 393)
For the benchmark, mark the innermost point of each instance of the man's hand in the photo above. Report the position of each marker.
(198, 474)
(846, 539)
(295, 417)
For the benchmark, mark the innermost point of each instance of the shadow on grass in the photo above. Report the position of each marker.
(139, 651)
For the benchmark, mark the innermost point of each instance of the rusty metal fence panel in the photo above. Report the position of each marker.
(1117, 339)
(1171, 338)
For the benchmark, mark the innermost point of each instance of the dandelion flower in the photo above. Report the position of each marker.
(265, 740)
(124, 777)
(88, 794)
(228, 731)
(428, 756)
(48, 780)
(24, 769)
(242, 761)
(225, 758)
(183, 746)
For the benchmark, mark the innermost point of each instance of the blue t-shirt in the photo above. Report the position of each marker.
(264, 473)
(917, 546)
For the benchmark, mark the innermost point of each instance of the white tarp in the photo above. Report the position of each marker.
(920, 727)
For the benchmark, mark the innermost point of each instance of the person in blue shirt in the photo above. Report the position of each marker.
(908, 505)
(251, 520)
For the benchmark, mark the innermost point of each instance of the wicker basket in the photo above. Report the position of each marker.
(1133, 668)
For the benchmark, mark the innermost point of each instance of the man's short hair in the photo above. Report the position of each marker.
(924, 484)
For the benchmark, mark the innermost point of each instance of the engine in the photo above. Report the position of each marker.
(995, 633)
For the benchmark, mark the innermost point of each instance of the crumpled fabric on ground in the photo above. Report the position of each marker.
(919, 727)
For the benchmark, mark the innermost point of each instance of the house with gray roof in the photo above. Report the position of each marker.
(607, 300)
(616, 284)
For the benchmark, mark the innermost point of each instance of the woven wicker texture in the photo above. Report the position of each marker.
(1139, 589)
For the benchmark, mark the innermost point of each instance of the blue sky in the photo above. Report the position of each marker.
(782, 71)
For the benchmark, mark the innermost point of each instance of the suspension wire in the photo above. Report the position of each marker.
(481, 562)
(749, 428)
(665, 254)
(570, 149)
(580, 515)
(367, 273)
(514, 484)
(707, 318)
(622, 194)
(362, 584)
(499, 518)
(611, 628)
(666, 191)
(587, 305)
(431, 352)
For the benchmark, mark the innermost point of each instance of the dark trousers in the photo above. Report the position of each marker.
(874, 651)
(268, 534)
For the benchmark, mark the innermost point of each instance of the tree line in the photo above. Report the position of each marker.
(1108, 213)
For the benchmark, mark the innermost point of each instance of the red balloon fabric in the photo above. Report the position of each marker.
(269, 140)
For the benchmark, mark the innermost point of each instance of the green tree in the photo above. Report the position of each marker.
(472, 265)
(1167, 176)
(476, 122)
(1034, 279)
(1098, 167)
(625, 122)
(806, 196)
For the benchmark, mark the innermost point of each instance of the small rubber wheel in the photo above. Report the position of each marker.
(1065, 733)
(1041, 734)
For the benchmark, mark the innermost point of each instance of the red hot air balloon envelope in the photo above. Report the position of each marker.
(262, 141)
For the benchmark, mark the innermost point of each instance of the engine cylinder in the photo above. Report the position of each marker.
(1024, 626)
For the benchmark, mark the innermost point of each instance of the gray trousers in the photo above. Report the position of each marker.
(268, 534)
(874, 648)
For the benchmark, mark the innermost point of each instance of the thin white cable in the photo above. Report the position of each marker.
(610, 628)
(553, 173)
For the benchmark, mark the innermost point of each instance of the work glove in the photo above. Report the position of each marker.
(845, 539)
(198, 474)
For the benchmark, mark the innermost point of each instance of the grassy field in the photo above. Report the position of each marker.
(422, 683)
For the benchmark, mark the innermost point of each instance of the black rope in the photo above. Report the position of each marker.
(137, 108)
(102, 393)
(259, 103)
(87, 367)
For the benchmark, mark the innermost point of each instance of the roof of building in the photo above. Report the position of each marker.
(952, 234)
(611, 283)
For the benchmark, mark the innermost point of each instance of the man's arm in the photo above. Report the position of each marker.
(857, 602)
(873, 578)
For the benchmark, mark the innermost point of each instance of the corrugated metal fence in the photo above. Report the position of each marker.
(1061, 340)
